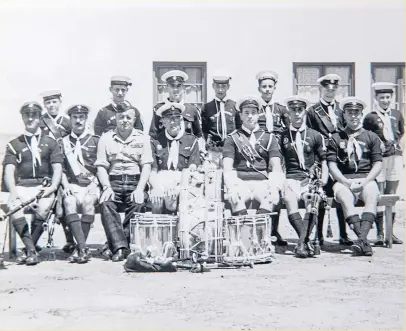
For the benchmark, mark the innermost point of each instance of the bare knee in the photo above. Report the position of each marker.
(88, 204)
(291, 202)
(171, 204)
(157, 207)
(70, 204)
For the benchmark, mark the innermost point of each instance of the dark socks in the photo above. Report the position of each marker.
(75, 225)
(37, 229)
(379, 223)
(68, 232)
(22, 228)
(296, 221)
(87, 221)
(341, 223)
(320, 222)
(367, 220)
(354, 223)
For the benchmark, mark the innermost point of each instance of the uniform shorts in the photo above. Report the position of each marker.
(297, 186)
(392, 168)
(27, 192)
(357, 196)
(80, 192)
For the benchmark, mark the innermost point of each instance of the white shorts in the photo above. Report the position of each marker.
(357, 196)
(80, 192)
(296, 186)
(392, 168)
(27, 192)
(260, 190)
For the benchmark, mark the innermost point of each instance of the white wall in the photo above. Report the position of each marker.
(76, 48)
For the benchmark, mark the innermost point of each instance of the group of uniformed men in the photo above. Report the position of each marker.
(265, 149)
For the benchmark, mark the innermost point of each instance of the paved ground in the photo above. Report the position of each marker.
(333, 291)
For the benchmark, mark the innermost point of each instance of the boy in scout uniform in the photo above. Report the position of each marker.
(106, 117)
(79, 181)
(388, 124)
(249, 156)
(219, 118)
(355, 160)
(123, 164)
(326, 117)
(175, 80)
(28, 160)
(301, 147)
(173, 151)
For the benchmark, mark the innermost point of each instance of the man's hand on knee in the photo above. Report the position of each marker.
(107, 194)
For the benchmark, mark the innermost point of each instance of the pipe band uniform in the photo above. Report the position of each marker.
(30, 158)
(80, 184)
(301, 147)
(355, 160)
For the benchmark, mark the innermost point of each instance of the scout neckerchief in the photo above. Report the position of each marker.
(33, 147)
(269, 109)
(73, 155)
(222, 116)
(78, 146)
(384, 116)
(331, 107)
(298, 143)
(53, 125)
(354, 151)
(173, 156)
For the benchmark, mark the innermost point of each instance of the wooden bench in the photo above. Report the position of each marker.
(388, 201)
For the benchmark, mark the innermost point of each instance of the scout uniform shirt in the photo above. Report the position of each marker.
(106, 120)
(313, 150)
(374, 123)
(188, 152)
(31, 172)
(61, 123)
(317, 118)
(86, 156)
(266, 146)
(191, 117)
(355, 156)
(279, 114)
(212, 126)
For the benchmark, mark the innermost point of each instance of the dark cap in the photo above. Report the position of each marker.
(352, 103)
(170, 109)
(78, 109)
(30, 106)
(49, 95)
(247, 101)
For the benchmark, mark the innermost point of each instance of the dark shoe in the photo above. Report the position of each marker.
(107, 254)
(118, 256)
(22, 258)
(357, 247)
(74, 257)
(82, 256)
(367, 249)
(310, 249)
(321, 241)
(88, 253)
(32, 258)
(379, 240)
(279, 240)
(301, 251)
(38, 248)
(345, 241)
(396, 240)
(69, 248)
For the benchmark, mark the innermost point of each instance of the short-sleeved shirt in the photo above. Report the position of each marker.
(317, 118)
(280, 114)
(18, 153)
(188, 152)
(191, 117)
(313, 150)
(123, 157)
(106, 120)
(89, 152)
(211, 120)
(371, 153)
(266, 146)
(61, 122)
(373, 122)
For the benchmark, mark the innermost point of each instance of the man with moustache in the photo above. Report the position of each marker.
(219, 118)
(79, 180)
(389, 125)
(123, 164)
(302, 148)
(28, 160)
(106, 117)
(355, 161)
(173, 151)
(326, 117)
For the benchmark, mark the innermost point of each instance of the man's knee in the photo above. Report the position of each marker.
(69, 203)
(88, 204)
(171, 204)
(370, 193)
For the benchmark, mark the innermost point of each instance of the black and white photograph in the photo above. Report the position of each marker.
(202, 165)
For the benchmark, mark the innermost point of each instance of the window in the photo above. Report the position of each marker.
(393, 73)
(195, 86)
(305, 77)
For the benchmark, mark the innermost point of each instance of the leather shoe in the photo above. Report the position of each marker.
(346, 241)
(32, 258)
(357, 247)
(22, 258)
(74, 257)
(301, 251)
(69, 248)
(367, 249)
(379, 240)
(118, 256)
(396, 240)
(279, 240)
(82, 256)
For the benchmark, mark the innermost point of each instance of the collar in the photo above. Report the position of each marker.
(263, 103)
(248, 130)
(325, 103)
(29, 134)
(178, 136)
(225, 99)
(302, 127)
(84, 134)
(356, 133)
(134, 133)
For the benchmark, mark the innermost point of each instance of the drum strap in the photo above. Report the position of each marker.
(326, 122)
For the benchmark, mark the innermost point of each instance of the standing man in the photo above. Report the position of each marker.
(173, 151)
(79, 181)
(123, 164)
(219, 118)
(326, 117)
(106, 117)
(28, 160)
(56, 125)
(389, 125)
(301, 147)
(355, 160)
(175, 80)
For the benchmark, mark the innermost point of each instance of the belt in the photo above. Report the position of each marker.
(124, 177)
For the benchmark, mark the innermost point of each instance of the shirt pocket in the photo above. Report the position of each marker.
(184, 156)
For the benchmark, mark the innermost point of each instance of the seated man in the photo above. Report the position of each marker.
(28, 160)
(172, 151)
(123, 167)
(252, 164)
(301, 147)
(355, 160)
(79, 181)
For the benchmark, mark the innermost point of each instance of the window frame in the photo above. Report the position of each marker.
(322, 66)
(401, 67)
(179, 65)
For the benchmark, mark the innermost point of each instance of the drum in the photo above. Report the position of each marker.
(248, 238)
(154, 235)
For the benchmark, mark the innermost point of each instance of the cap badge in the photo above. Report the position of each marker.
(174, 77)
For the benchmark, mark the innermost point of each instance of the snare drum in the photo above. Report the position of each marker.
(155, 235)
(248, 237)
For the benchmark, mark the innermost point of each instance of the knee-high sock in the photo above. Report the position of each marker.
(37, 229)
(23, 230)
(341, 223)
(87, 221)
(75, 226)
(320, 222)
(379, 223)
(68, 232)
(297, 223)
(355, 224)
(367, 219)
